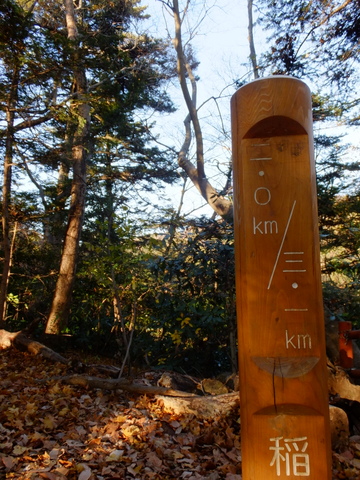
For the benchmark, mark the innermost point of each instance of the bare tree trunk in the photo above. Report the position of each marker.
(221, 205)
(6, 194)
(251, 40)
(61, 304)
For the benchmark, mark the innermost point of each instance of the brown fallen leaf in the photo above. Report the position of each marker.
(154, 459)
(86, 473)
(9, 462)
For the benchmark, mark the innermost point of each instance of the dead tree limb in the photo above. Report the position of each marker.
(22, 342)
(122, 384)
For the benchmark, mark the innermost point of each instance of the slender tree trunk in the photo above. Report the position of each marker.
(61, 304)
(221, 205)
(251, 40)
(6, 195)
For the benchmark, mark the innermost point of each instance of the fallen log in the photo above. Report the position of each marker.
(23, 343)
(122, 384)
(202, 407)
(170, 400)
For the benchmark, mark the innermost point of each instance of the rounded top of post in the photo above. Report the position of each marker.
(272, 106)
(272, 78)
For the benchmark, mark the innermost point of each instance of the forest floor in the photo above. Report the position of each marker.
(50, 430)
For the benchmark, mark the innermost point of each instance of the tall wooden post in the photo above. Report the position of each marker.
(285, 430)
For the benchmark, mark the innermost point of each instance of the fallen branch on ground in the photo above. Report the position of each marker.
(122, 384)
(23, 343)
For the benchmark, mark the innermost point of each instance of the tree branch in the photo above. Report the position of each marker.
(220, 205)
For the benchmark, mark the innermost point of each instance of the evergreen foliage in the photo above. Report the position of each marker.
(125, 74)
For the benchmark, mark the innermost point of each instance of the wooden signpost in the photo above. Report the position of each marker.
(285, 430)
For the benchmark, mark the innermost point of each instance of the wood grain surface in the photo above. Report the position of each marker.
(283, 377)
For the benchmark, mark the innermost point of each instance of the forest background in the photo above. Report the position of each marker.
(91, 142)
